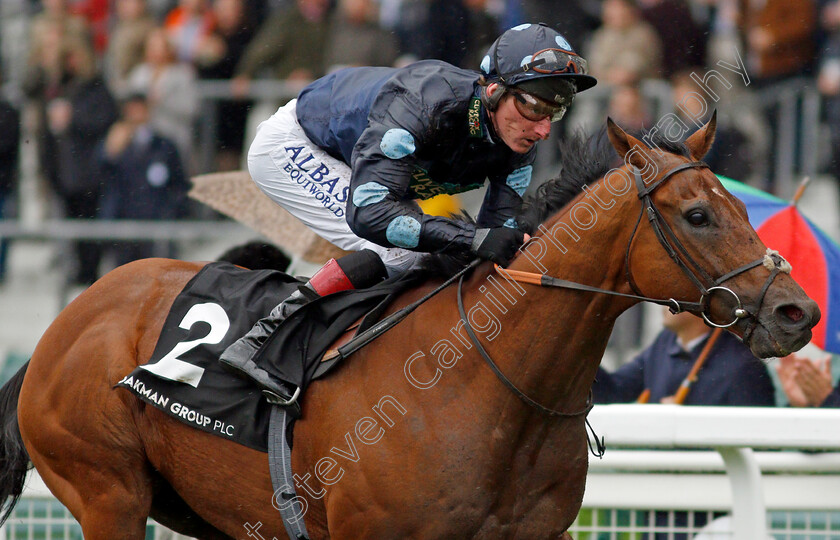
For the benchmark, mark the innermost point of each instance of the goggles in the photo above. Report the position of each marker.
(547, 62)
(535, 109)
(551, 61)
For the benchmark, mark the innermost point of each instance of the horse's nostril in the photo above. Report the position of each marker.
(791, 313)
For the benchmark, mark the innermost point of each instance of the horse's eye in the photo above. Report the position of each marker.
(698, 218)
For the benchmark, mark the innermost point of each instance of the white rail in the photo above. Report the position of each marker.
(734, 433)
(659, 457)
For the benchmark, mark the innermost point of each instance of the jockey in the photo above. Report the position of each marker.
(351, 154)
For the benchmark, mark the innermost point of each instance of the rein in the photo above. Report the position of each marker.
(507, 382)
(669, 241)
(599, 447)
(774, 262)
(771, 260)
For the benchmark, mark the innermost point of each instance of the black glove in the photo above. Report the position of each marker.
(498, 244)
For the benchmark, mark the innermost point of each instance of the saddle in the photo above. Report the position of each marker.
(220, 304)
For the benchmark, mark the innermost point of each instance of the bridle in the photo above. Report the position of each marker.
(691, 268)
(704, 282)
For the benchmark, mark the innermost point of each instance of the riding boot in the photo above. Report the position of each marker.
(355, 270)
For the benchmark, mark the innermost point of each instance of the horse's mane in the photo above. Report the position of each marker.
(583, 159)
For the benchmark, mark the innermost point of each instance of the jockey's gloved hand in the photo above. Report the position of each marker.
(498, 244)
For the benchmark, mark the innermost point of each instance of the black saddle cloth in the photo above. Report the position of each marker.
(219, 305)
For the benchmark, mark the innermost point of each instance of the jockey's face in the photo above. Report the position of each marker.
(518, 132)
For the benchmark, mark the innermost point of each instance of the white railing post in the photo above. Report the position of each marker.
(734, 432)
(749, 515)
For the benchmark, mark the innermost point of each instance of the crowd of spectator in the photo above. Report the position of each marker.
(84, 57)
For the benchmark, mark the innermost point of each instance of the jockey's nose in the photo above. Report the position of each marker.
(543, 128)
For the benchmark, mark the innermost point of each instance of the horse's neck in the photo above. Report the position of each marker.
(554, 338)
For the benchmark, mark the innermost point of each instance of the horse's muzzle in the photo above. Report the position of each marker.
(783, 327)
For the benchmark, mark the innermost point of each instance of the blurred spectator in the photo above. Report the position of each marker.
(15, 22)
(625, 49)
(828, 80)
(356, 39)
(159, 9)
(732, 154)
(261, 10)
(217, 59)
(446, 30)
(685, 43)
(628, 109)
(126, 48)
(171, 90)
(408, 19)
(576, 20)
(51, 30)
(257, 256)
(44, 80)
(188, 26)
(9, 154)
(731, 375)
(97, 14)
(143, 176)
(219, 53)
(78, 109)
(290, 46)
(778, 37)
(456, 31)
(483, 29)
(722, 27)
(808, 383)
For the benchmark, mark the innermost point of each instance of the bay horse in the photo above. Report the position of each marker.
(414, 436)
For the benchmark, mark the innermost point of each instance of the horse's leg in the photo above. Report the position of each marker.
(170, 510)
(117, 514)
(101, 476)
(227, 483)
(80, 431)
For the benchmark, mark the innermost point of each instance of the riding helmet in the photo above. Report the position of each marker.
(538, 60)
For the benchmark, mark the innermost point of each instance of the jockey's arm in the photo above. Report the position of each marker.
(380, 209)
(390, 165)
(390, 160)
(504, 198)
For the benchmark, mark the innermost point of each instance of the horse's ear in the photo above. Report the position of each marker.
(701, 140)
(629, 148)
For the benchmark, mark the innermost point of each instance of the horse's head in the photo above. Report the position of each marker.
(715, 254)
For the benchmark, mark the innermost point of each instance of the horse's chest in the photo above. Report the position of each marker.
(493, 499)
